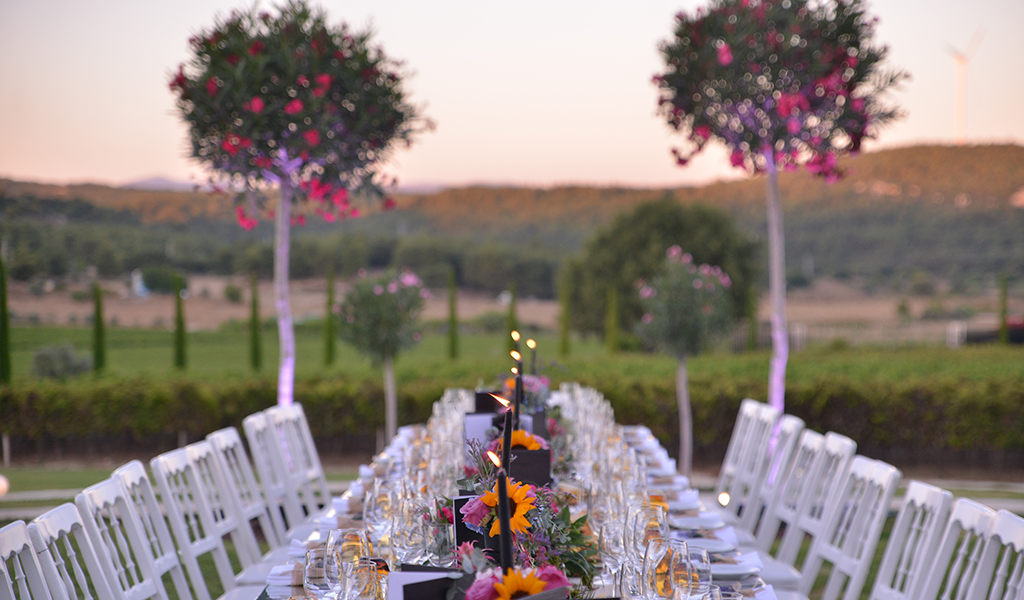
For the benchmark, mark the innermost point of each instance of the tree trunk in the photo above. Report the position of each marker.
(685, 418)
(285, 332)
(777, 287)
(390, 401)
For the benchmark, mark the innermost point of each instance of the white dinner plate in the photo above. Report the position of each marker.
(703, 522)
(711, 545)
(727, 572)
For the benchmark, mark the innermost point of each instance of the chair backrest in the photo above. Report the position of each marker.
(67, 557)
(733, 452)
(1001, 570)
(853, 525)
(773, 468)
(912, 542)
(827, 473)
(268, 458)
(118, 538)
(955, 564)
(783, 503)
(21, 577)
(154, 525)
(234, 464)
(301, 458)
(222, 496)
(192, 519)
(752, 461)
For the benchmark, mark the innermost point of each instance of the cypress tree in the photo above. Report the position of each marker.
(329, 320)
(453, 317)
(99, 334)
(1004, 331)
(611, 321)
(564, 302)
(255, 349)
(179, 324)
(5, 328)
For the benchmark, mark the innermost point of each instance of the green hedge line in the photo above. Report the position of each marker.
(927, 420)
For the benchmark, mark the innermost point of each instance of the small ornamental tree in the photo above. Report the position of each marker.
(686, 308)
(99, 335)
(295, 113)
(781, 83)
(378, 317)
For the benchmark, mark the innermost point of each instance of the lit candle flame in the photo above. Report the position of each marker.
(531, 344)
(515, 335)
(515, 371)
(503, 401)
(515, 356)
(494, 459)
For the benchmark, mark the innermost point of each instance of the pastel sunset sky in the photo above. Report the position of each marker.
(529, 93)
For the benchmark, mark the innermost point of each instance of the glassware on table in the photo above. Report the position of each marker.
(377, 505)
(349, 545)
(656, 578)
(315, 571)
(680, 572)
(408, 532)
(361, 581)
(612, 549)
(700, 571)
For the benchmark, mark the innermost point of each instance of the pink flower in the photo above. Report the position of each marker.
(793, 126)
(243, 221)
(647, 318)
(330, 217)
(179, 79)
(674, 252)
(697, 284)
(446, 513)
(647, 292)
(736, 158)
(323, 82)
(483, 587)
(256, 47)
(340, 197)
(553, 577)
(312, 137)
(255, 105)
(702, 131)
(687, 258)
(295, 106)
(378, 290)
(475, 511)
(424, 293)
(212, 85)
(790, 102)
(393, 287)
(389, 204)
(409, 279)
(724, 54)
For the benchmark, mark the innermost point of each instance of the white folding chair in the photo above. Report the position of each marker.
(820, 490)
(21, 577)
(140, 493)
(912, 542)
(772, 470)
(201, 528)
(783, 504)
(234, 463)
(265, 446)
(1001, 570)
(734, 451)
(118, 537)
(300, 457)
(853, 524)
(67, 557)
(955, 564)
(750, 464)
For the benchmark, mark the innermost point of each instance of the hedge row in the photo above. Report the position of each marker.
(920, 421)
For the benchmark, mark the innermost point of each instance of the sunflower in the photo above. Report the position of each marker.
(522, 439)
(521, 504)
(518, 584)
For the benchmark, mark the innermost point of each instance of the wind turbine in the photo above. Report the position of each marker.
(962, 59)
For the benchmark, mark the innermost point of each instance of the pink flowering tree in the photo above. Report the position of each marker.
(781, 83)
(378, 317)
(685, 309)
(293, 115)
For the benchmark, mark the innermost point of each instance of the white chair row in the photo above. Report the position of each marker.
(818, 494)
(117, 542)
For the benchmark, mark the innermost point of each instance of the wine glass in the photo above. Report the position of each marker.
(700, 570)
(361, 581)
(656, 569)
(680, 571)
(611, 545)
(349, 544)
(315, 573)
(377, 509)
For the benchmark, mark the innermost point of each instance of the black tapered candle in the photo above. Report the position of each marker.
(506, 441)
(504, 523)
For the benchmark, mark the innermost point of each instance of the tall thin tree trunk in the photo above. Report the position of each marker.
(285, 332)
(777, 289)
(390, 401)
(685, 418)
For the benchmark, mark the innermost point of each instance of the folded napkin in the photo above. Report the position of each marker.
(683, 500)
(288, 574)
(348, 504)
(367, 471)
(337, 522)
(283, 592)
(297, 548)
(356, 489)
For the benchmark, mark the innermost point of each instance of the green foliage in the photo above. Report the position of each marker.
(633, 247)
(453, 317)
(1004, 331)
(266, 92)
(59, 362)
(255, 345)
(233, 293)
(564, 309)
(99, 335)
(378, 315)
(611, 320)
(162, 280)
(686, 307)
(179, 324)
(5, 327)
(329, 341)
(511, 319)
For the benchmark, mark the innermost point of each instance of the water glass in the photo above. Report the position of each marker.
(361, 581)
(315, 573)
(656, 569)
(700, 571)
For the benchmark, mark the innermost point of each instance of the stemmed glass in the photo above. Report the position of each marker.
(700, 571)
(316, 579)
(361, 581)
(611, 545)
(656, 569)
(377, 509)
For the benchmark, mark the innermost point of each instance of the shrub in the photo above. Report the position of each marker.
(233, 293)
(59, 362)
